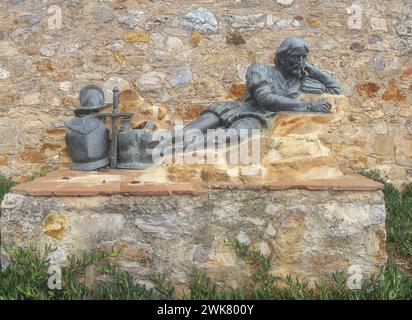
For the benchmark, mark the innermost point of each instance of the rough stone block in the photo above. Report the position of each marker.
(306, 233)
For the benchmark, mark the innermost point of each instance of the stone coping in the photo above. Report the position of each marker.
(343, 183)
(68, 183)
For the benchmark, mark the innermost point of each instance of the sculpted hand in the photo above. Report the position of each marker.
(320, 106)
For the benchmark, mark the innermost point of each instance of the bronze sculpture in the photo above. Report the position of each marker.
(270, 89)
(115, 115)
(87, 138)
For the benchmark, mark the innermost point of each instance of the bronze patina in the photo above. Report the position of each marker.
(271, 88)
(87, 138)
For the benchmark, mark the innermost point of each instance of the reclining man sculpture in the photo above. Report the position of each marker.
(270, 89)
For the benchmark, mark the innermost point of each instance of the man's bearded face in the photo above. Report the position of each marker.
(294, 63)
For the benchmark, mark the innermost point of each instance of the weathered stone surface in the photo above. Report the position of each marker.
(156, 21)
(4, 262)
(136, 37)
(129, 21)
(285, 2)
(310, 234)
(195, 38)
(404, 153)
(237, 91)
(243, 238)
(314, 23)
(375, 39)
(45, 66)
(181, 77)
(152, 81)
(128, 41)
(201, 20)
(35, 18)
(174, 44)
(409, 127)
(379, 24)
(104, 15)
(384, 145)
(245, 22)
(403, 25)
(6, 49)
(55, 225)
(357, 47)
(49, 50)
(282, 23)
(65, 86)
(370, 89)
(270, 231)
(4, 74)
(32, 98)
(378, 64)
(235, 38)
(110, 83)
(392, 92)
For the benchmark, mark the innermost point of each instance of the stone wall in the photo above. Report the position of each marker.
(306, 233)
(172, 58)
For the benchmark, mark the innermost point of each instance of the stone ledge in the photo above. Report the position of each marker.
(344, 183)
(67, 183)
(304, 233)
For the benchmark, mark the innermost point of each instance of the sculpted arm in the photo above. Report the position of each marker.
(330, 84)
(273, 102)
(259, 85)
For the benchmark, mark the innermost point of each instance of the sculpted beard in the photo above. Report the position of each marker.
(295, 69)
(298, 70)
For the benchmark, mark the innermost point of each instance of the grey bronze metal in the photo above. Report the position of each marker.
(132, 147)
(115, 133)
(113, 158)
(87, 138)
(92, 98)
(272, 88)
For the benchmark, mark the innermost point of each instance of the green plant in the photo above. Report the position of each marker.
(27, 278)
(163, 287)
(399, 215)
(121, 287)
(389, 284)
(201, 288)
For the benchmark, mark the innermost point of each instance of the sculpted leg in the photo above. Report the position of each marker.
(206, 121)
(247, 125)
(239, 131)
